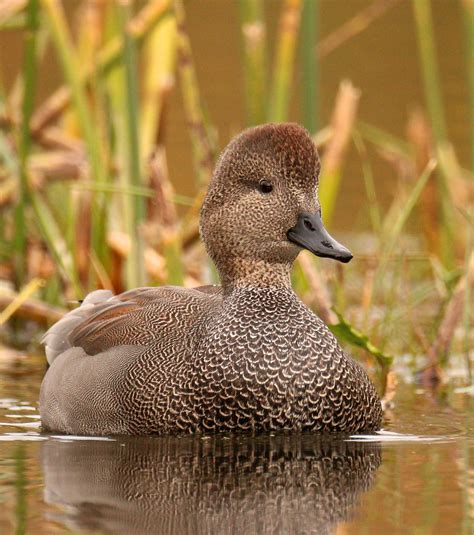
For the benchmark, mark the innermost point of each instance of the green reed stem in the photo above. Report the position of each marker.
(29, 85)
(136, 212)
(132, 108)
(468, 15)
(383, 139)
(392, 239)
(107, 59)
(434, 101)
(173, 254)
(55, 242)
(374, 211)
(71, 69)
(409, 206)
(429, 67)
(310, 64)
(254, 59)
(284, 60)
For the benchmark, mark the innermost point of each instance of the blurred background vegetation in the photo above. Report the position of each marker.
(112, 114)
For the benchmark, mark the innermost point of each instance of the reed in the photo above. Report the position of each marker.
(71, 68)
(468, 16)
(159, 54)
(84, 176)
(369, 183)
(284, 60)
(202, 146)
(24, 145)
(310, 67)
(23, 296)
(253, 38)
(432, 87)
(136, 209)
(342, 122)
(108, 57)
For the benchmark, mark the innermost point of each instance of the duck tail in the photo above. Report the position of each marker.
(56, 339)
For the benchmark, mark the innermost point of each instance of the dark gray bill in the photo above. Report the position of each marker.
(309, 233)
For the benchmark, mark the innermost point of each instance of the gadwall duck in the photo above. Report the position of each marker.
(244, 356)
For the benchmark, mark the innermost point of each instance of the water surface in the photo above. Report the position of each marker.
(416, 477)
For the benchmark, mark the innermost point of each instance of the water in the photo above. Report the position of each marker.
(415, 477)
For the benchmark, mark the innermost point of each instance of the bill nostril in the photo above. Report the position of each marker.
(307, 223)
(327, 244)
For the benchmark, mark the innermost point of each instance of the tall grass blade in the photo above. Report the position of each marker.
(159, 66)
(202, 146)
(429, 67)
(342, 121)
(421, 139)
(310, 65)
(374, 211)
(136, 212)
(51, 233)
(164, 213)
(254, 57)
(392, 238)
(432, 88)
(25, 142)
(468, 14)
(284, 60)
(107, 59)
(354, 26)
(26, 292)
(90, 36)
(383, 139)
(71, 68)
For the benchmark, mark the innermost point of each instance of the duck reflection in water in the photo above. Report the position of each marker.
(213, 485)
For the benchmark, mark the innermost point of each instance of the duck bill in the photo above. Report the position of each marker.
(310, 233)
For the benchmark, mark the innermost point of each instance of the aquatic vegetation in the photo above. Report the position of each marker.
(86, 199)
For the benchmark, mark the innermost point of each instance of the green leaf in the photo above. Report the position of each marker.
(347, 332)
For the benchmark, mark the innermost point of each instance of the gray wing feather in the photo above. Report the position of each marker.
(101, 311)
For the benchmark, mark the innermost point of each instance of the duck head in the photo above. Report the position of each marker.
(262, 206)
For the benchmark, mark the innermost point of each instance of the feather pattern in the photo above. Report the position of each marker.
(244, 356)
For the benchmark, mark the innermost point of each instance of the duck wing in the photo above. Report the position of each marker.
(135, 317)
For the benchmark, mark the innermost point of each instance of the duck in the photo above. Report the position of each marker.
(243, 356)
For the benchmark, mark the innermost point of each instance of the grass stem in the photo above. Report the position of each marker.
(468, 15)
(29, 85)
(310, 65)
(253, 31)
(136, 212)
(98, 169)
(284, 60)
(201, 143)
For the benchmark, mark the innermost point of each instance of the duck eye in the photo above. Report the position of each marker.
(265, 187)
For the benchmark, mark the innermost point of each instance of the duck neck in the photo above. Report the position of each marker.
(243, 273)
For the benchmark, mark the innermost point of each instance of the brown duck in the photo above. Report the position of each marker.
(244, 356)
